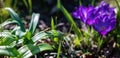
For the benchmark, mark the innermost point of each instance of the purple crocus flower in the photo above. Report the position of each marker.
(85, 14)
(106, 20)
(102, 18)
(103, 27)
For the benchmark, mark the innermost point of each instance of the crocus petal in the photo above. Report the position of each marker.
(85, 14)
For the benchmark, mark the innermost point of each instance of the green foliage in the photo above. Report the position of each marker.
(55, 34)
(20, 36)
(86, 36)
(8, 50)
(52, 24)
(24, 43)
(8, 3)
(33, 24)
(28, 50)
(59, 50)
(3, 15)
(118, 24)
(11, 3)
(16, 17)
(70, 19)
(24, 51)
(8, 38)
(28, 4)
(8, 22)
(117, 2)
(93, 2)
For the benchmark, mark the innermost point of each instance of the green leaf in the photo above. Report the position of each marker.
(34, 22)
(28, 35)
(29, 50)
(7, 38)
(16, 17)
(55, 32)
(7, 22)
(27, 38)
(52, 24)
(10, 51)
(42, 35)
(17, 31)
(56, 36)
(38, 36)
(58, 4)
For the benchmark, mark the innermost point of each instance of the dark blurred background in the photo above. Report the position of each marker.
(47, 9)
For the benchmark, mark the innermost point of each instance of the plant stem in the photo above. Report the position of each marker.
(117, 4)
(93, 2)
(0, 20)
(59, 49)
(80, 2)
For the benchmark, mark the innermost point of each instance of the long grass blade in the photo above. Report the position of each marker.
(26, 4)
(71, 21)
(69, 18)
(30, 5)
(117, 2)
(59, 51)
(93, 2)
